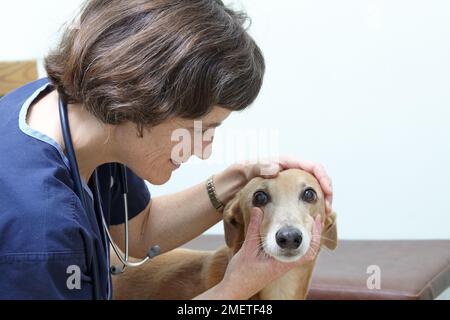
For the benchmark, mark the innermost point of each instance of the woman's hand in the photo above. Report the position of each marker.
(271, 168)
(250, 269)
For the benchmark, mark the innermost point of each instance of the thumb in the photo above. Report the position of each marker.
(316, 239)
(265, 169)
(252, 239)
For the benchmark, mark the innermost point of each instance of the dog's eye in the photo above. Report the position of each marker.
(309, 195)
(260, 198)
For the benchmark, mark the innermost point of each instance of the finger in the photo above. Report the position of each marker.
(329, 204)
(317, 233)
(295, 163)
(315, 239)
(326, 186)
(325, 182)
(252, 239)
(266, 168)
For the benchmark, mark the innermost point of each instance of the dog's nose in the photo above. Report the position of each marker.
(289, 238)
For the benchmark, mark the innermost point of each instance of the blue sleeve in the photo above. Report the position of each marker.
(44, 276)
(138, 196)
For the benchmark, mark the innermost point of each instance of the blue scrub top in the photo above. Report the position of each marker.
(47, 239)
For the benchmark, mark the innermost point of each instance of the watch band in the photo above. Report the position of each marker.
(210, 187)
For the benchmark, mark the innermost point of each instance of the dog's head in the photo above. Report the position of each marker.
(290, 204)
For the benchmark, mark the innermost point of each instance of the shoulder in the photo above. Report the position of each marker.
(40, 213)
(24, 92)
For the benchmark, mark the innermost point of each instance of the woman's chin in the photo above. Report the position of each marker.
(162, 174)
(161, 178)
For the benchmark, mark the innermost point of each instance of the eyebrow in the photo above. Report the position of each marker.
(210, 126)
(214, 125)
(264, 186)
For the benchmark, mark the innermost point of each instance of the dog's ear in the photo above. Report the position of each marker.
(233, 222)
(329, 234)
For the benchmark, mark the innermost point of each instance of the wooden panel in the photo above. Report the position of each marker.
(16, 74)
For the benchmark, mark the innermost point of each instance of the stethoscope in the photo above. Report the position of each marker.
(75, 173)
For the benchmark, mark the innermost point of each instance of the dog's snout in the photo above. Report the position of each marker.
(289, 238)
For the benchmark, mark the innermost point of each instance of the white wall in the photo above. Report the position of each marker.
(29, 28)
(360, 86)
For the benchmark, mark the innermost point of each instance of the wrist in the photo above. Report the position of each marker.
(229, 182)
(219, 292)
(227, 291)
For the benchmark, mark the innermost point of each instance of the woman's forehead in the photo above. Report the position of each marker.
(213, 119)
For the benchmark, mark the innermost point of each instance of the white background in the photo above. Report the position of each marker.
(362, 87)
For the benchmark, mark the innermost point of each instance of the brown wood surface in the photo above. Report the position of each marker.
(16, 74)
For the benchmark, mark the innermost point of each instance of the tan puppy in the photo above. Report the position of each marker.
(290, 204)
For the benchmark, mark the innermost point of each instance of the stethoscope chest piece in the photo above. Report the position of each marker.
(119, 269)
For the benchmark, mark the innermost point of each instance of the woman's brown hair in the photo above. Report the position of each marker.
(145, 61)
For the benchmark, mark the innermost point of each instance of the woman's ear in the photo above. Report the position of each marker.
(233, 223)
(329, 234)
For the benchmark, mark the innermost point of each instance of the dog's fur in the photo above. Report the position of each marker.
(183, 274)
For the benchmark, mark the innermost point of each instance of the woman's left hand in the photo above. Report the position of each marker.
(271, 169)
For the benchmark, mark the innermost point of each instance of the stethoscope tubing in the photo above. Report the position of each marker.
(75, 172)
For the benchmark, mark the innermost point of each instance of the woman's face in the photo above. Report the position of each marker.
(164, 148)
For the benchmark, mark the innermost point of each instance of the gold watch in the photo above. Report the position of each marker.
(210, 187)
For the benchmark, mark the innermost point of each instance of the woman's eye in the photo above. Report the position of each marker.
(309, 195)
(260, 199)
(202, 131)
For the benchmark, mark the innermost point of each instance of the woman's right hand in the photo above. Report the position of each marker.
(250, 270)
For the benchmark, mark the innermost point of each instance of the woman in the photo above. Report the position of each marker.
(132, 72)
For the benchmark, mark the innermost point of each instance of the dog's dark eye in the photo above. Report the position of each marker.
(309, 195)
(260, 198)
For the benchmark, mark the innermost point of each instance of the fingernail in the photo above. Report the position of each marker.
(270, 169)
